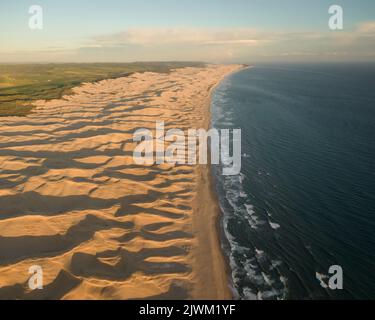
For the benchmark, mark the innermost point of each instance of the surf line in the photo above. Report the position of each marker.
(151, 148)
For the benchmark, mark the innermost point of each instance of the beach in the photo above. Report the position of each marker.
(73, 201)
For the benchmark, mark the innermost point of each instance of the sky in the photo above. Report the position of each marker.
(191, 30)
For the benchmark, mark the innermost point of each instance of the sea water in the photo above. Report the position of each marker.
(304, 200)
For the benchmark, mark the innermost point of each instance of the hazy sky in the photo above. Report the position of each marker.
(205, 30)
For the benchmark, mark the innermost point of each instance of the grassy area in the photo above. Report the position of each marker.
(21, 84)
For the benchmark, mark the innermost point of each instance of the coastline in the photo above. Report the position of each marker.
(100, 226)
(215, 282)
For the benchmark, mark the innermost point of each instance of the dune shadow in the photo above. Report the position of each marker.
(15, 249)
(128, 263)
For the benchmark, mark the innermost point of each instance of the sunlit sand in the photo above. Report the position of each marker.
(101, 227)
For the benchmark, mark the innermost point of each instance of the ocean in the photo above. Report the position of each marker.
(304, 200)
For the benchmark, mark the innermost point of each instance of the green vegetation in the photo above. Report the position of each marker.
(21, 84)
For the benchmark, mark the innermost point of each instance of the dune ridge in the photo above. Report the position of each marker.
(101, 227)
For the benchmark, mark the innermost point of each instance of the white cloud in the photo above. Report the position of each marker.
(185, 36)
(242, 44)
(366, 27)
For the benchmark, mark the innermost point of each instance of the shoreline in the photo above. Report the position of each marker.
(220, 273)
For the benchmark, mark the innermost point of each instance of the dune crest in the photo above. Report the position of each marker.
(100, 226)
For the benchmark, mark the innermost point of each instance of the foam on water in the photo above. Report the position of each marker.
(254, 274)
(322, 279)
(274, 225)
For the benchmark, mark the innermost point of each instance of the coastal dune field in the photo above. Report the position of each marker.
(73, 201)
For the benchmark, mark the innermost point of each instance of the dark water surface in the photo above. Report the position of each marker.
(305, 198)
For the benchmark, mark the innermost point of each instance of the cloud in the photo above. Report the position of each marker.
(241, 44)
(180, 36)
(215, 45)
(366, 27)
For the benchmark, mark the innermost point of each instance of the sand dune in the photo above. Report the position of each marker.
(73, 201)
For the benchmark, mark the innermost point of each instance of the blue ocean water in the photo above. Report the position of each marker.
(305, 199)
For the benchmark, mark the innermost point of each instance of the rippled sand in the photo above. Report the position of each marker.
(101, 227)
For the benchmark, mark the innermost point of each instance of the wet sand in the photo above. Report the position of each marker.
(73, 201)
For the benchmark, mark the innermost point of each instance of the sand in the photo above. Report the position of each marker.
(73, 201)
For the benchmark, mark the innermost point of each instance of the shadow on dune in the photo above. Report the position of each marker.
(86, 265)
(175, 292)
(14, 249)
(32, 203)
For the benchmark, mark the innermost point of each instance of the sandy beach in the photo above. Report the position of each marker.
(101, 227)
